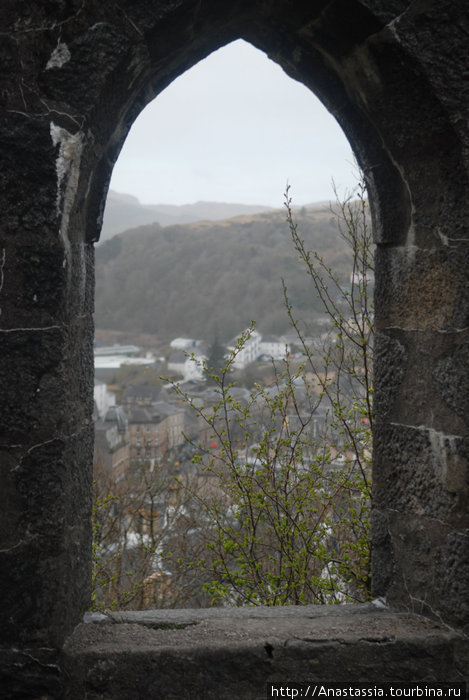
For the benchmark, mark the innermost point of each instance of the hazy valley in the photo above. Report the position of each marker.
(208, 278)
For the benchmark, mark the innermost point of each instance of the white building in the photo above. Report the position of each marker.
(274, 347)
(358, 278)
(116, 349)
(184, 343)
(189, 365)
(249, 353)
(105, 366)
(116, 361)
(103, 398)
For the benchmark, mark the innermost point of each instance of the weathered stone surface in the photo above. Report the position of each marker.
(451, 377)
(76, 75)
(38, 353)
(420, 289)
(31, 673)
(390, 361)
(415, 379)
(45, 562)
(382, 556)
(422, 471)
(220, 653)
(452, 578)
(235, 653)
(48, 406)
(26, 140)
(422, 566)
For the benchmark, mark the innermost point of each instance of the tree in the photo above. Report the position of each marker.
(293, 462)
(136, 522)
(215, 362)
(275, 507)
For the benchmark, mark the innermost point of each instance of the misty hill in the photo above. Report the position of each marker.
(124, 212)
(208, 278)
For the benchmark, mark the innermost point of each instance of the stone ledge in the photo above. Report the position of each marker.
(234, 653)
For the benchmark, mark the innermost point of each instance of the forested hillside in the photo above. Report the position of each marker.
(209, 278)
(124, 212)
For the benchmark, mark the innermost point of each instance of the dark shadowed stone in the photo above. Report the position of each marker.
(451, 377)
(32, 673)
(422, 472)
(76, 75)
(34, 284)
(235, 653)
(94, 56)
(389, 359)
(430, 567)
(422, 289)
(39, 383)
(452, 576)
(49, 558)
(25, 141)
(382, 553)
(412, 398)
(48, 407)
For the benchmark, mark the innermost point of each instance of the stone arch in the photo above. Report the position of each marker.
(392, 73)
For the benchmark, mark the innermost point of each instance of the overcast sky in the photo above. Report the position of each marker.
(234, 128)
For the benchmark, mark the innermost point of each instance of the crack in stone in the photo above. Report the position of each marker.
(424, 428)
(424, 330)
(77, 119)
(166, 625)
(14, 546)
(132, 24)
(42, 444)
(18, 466)
(430, 518)
(450, 241)
(36, 329)
(424, 605)
(44, 28)
(393, 24)
(40, 663)
(23, 541)
(33, 328)
(2, 274)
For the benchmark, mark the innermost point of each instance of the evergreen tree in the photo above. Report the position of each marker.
(216, 361)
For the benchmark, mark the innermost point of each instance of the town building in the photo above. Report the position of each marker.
(143, 434)
(103, 398)
(111, 443)
(274, 347)
(189, 365)
(248, 353)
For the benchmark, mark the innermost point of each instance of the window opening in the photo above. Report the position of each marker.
(171, 501)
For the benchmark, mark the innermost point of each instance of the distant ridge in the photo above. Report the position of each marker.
(208, 279)
(124, 212)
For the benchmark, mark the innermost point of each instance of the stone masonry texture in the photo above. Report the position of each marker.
(74, 76)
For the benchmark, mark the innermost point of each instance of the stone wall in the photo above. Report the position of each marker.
(75, 76)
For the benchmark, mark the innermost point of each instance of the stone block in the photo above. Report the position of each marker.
(45, 567)
(221, 653)
(422, 566)
(418, 289)
(421, 471)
